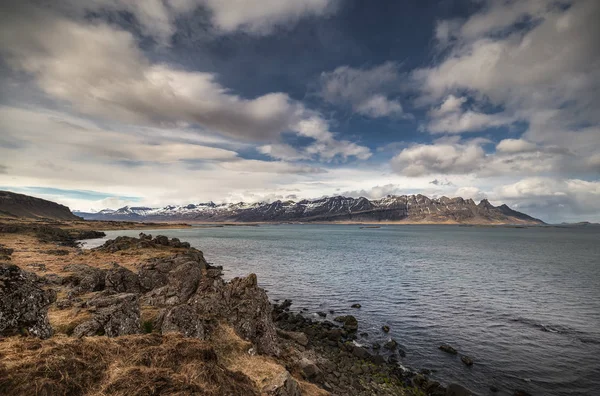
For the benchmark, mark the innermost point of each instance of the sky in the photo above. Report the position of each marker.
(107, 103)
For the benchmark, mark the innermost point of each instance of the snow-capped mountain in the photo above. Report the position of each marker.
(409, 208)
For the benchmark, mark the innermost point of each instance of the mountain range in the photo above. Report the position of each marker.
(393, 208)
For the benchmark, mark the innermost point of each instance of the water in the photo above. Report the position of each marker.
(523, 303)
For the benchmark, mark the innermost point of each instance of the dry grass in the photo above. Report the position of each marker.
(131, 365)
(262, 370)
(29, 252)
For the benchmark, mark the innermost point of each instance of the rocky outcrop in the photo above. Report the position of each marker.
(144, 241)
(190, 295)
(23, 303)
(115, 315)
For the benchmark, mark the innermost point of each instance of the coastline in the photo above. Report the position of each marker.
(312, 357)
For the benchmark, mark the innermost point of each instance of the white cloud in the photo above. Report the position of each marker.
(365, 90)
(157, 18)
(262, 16)
(515, 146)
(379, 106)
(556, 198)
(545, 72)
(282, 151)
(421, 159)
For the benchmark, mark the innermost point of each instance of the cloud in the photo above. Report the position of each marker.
(538, 61)
(364, 90)
(283, 152)
(469, 192)
(422, 159)
(158, 18)
(101, 71)
(445, 182)
(555, 198)
(450, 117)
(326, 147)
(262, 16)
(515, 146)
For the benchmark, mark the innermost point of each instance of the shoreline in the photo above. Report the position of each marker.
(88, 298)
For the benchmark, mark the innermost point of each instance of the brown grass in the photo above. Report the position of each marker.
(262, 370)
(131, 365)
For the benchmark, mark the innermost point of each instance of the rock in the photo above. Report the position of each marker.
(466, 360)
(242, 304)
(161, 240)
(322, 314)
(364, 334)
(334, 334)
(86, 279)
(494, 389)
(5, 253)
(89, 235)
(309, 369)
(385, 328)
(114, 316)
(376, 346)
(121, 280)
(23, 303)
(447, 348)
(282, 385)
(186, 320)
(360, 352)
(295, 336)
(458, 390)
(355, 306)
(391, 345)
(349, 322)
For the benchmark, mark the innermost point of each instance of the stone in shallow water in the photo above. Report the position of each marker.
(447, 348)
(466, 360)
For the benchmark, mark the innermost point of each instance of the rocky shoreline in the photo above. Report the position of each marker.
(164, 291)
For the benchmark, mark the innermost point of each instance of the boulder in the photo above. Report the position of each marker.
(121, 280)
(349, 322)
(114, 316)
(355, 306)
(5, 253)
(385, 328)
(296, 336)
(391, 345)
(282, 385)
(23, 303)
(309, 369)
(86, 279)
(185, 319)
(466, 360)
(448, 349)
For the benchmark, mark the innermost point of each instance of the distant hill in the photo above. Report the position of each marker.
(24, 206)
(402, 208)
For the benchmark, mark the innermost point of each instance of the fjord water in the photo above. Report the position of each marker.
(524, 303)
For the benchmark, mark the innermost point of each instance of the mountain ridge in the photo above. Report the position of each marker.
(25, 206)
(392, 208)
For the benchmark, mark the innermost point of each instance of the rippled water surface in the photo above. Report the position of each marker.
(523, 303)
